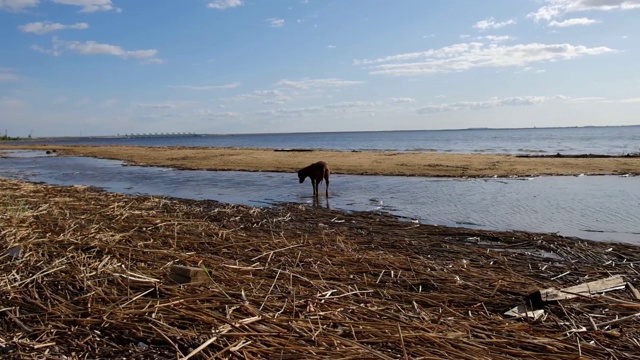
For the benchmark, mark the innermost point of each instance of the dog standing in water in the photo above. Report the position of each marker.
(316, 172)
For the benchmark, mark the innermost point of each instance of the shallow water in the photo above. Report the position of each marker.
(591, 207)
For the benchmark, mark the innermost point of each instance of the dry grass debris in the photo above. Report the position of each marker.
(91, 281)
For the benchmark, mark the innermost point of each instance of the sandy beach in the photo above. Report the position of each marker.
(357, 163)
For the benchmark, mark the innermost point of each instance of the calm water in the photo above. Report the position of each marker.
(600, 140)
(592, 207)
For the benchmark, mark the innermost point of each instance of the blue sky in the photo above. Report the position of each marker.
(107, 67)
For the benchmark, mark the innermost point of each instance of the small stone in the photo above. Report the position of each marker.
(15, 252)
(7, 349)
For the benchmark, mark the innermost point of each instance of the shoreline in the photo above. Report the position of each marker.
(353, 163)
(92, 272)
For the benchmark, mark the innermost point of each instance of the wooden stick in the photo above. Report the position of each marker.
(205, 344)
(634, 291)
(274, 251)
(18, 322)
(404, 350)
(617, 321)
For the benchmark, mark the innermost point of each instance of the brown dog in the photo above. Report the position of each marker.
(316, 172)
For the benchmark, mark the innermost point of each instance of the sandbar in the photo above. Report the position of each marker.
(355, 163)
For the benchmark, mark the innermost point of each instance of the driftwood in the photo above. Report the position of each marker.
(531, 308)
(188, 275)
(591, 288)
(290, 282)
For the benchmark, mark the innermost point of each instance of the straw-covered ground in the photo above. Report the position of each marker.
(359, 163)
(86, 274)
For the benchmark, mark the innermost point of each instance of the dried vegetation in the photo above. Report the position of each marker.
(85, 275)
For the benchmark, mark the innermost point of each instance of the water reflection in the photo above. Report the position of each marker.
(317, 202)
(593, 207)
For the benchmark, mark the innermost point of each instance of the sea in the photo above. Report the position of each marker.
(581, 140)
(602, 208)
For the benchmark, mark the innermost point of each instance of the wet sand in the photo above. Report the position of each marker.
(356, 163)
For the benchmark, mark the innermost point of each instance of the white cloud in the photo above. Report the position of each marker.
(159, 106)
(276, 101)
(466, 56)
(401, 100)
(295, 112)
(87, 6)
(337, 109)
(448, 51)
(630, 100)
(17, 5)
(218, 114)
(273, 22)
(232, 85)
(41, 28)
(350, 104)
(266, 96)
(572, 22)
(316, 83)
(90, 6)
(490, 23)
(95, 48)
(595, 99)
(496, 39)
(263, 93)
(53, 51)
(479, 105)
(557, 8)
(225, 4)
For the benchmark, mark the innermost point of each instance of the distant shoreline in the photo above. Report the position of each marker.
(125, 136)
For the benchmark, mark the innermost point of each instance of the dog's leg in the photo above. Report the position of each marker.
(326, 179)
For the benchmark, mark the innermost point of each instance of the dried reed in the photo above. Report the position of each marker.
(84, 275)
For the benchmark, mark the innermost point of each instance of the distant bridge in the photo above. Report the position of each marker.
(160, 135)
